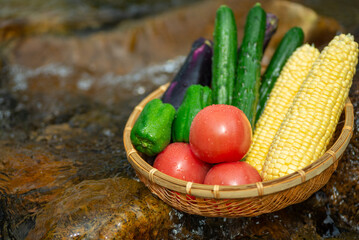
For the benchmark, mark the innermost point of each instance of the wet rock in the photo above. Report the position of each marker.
(30, 167)
(96, 155)
(307, 232)
(56, 107)
(13, 117)
(343, 187)
(291, 223)
(299, 221)
(67, 84)
(17, 18)
(97, 121)
(343, 190)
(126, 49)
(30, 176)
(52, 159)
(114, 208)
(7, 105)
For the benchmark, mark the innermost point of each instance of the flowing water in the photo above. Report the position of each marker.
(71, 73)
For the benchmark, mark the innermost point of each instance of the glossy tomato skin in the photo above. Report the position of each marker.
(232, 173)
(177, 160)
(220, 133)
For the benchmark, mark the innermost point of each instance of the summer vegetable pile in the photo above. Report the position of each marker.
(222, 122)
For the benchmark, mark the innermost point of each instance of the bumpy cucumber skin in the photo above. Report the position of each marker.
(246, 89)
(196, 98)
(271, 29)
(293, 39)
(151, 132)
(225, 47)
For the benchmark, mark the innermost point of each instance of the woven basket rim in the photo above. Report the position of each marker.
(242, 191)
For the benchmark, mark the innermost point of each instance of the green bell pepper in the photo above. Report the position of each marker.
(151, 132)
(195, 99)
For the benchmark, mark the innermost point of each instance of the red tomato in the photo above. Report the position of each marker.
(220, 133)
(232, 173)
(177, 160)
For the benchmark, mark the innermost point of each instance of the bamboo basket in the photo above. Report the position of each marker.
(244, 200)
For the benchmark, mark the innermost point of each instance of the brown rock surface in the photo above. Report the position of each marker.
(134, 45)
(343, 188)
(22, 18)
(113, 208)
(53, 159)
(30, 177)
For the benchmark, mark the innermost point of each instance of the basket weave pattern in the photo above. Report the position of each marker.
(238, 201)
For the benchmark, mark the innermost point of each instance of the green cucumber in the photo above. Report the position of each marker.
(246, 88)
(195, 99)
(293, 39)
(151, 132)
(225, 47)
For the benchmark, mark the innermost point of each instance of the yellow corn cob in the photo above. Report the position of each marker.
(281, 97)
(311, 120)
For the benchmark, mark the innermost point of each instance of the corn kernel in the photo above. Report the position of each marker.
(315, 111)
(287, 85)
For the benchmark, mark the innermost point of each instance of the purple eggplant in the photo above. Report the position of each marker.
(271, 28)
(197, 69)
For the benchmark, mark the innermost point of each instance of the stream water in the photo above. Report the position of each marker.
(70, 74)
